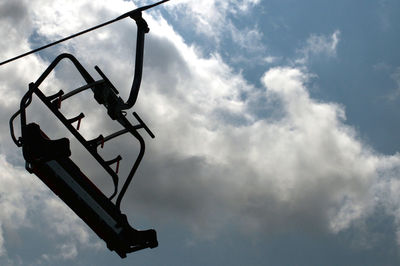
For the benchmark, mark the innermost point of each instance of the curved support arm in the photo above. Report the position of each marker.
(142, 30)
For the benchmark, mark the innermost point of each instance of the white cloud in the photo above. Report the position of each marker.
(317, 45)
(247, 38)
(271, 59)
(64, 222)
(213, 19)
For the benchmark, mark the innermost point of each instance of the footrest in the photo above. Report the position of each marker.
(55, 99)
(77, 118)
(55, 96)
(113, 161)
(96, 142)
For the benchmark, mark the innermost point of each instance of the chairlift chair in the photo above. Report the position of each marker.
(50, 159)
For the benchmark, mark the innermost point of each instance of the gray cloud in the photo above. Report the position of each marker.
(14, 11)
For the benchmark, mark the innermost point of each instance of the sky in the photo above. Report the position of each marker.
(276, 128)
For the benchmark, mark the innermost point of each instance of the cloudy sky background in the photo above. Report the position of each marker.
(276, 128)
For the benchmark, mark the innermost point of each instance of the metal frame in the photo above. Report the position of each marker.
(64, 177)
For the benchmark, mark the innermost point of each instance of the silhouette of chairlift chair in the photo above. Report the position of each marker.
(50, 159)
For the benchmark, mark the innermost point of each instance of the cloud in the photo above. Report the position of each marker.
(310, 160)
(396, 78)
(18, 194)
(210, 16)
(68, 251)
(271, 59)
(26, 204)
(319, 45)
(304, 171)
(386, 190)
(215, 21)
(247, 38)
(220, 158)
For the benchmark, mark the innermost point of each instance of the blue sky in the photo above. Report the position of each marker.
(275, 122)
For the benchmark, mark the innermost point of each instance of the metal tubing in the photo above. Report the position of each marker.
(128, 180)
(75, 61)
(80, 89)
(142, 30)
